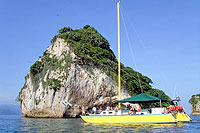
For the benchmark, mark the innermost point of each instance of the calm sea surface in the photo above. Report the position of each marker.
(17, 123)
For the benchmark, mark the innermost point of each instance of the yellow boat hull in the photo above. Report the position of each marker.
(150, 118)
(182, 117)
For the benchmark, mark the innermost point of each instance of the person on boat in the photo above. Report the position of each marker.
(132, 111)
(116, 109)
(128, 107)
(94, 110)
(108, 108)
(149, 111)
(100, 110)
(83, 112)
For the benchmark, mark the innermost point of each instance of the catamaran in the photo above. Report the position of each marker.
(172, 114)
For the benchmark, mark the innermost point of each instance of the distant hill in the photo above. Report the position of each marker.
(9, 109)
(195, 102)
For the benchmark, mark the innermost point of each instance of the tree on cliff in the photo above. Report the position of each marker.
(65, 29)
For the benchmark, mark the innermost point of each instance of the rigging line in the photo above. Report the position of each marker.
(129, 42)
(112, 29)
(141, 41)
(112, 23)
(174, 95)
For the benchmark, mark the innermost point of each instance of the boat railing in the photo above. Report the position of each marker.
(157, 110)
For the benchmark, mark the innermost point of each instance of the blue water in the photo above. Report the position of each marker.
(17, 123)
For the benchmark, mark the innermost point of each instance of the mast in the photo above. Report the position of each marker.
(119, 72)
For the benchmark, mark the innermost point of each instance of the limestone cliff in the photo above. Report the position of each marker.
(195, 104)
(78, 71)
(82, 87)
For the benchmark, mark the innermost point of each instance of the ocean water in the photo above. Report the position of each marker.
(18, 123)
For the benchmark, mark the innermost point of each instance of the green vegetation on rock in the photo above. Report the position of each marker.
(39, 69)
(94, 50)
(135, 81)
(36, 67)
(53, 84)
(160, 94)
(65, 29)
(194, 100)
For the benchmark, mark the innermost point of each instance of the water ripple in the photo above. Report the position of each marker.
(11, 123)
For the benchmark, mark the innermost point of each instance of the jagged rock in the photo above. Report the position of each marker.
(78, 71)
(81, 87)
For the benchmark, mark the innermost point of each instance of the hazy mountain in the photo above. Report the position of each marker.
(9, 109)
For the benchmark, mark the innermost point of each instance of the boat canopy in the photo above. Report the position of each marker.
(141, 98)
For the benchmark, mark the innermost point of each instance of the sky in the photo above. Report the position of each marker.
(164, 38)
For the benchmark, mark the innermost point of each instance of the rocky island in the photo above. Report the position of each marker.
(76, 72)
(195, 104)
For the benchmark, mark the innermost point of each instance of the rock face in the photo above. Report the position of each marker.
(195, 104)
(77, 72)
(57, 86)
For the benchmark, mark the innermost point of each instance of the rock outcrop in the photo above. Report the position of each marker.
(78, 71)
(195, 104)
(82, 87)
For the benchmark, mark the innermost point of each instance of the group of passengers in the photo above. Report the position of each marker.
(131, 110)
(108, 108)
